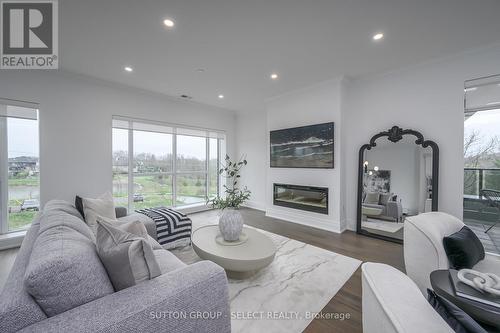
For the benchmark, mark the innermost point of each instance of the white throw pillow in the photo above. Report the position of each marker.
(102, 206)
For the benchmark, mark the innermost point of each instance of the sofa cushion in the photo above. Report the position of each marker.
(455, 317)
(102, 206)
(61, 206)
(128, 258)
(165, 259)
(372, 198)
(463, 248)
(64, 270)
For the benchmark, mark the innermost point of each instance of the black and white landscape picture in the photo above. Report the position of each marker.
(377, 181)
(303, 147)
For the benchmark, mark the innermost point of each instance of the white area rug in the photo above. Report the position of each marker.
(382, 225)
(282, 297)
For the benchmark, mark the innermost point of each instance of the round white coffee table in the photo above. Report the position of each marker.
(239, 261)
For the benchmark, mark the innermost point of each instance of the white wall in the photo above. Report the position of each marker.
(428, 98)
(251, 137)
(75, 125)
(318, 104)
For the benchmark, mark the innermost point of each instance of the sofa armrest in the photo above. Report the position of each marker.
(120, 212)
(191, 299)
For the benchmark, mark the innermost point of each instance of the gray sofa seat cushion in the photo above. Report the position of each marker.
(17, 307)
(64, 270)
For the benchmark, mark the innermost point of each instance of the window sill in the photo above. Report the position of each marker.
(193, 208)
(12, 239)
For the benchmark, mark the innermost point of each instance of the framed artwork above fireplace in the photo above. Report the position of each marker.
(303, 147)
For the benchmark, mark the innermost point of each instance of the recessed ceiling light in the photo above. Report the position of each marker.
(168, 23)
(128, 69)
(221, 96)
(274, 76)
(378, 36)
(375, 168)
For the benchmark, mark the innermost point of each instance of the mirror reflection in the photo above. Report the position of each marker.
(397, 183)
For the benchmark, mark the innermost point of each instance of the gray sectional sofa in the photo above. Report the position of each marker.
(58, 284)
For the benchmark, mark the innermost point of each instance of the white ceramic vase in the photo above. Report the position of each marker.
(231, 224)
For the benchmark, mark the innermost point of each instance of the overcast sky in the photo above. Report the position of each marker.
(22, 137)
(485, 123)
(160, 144)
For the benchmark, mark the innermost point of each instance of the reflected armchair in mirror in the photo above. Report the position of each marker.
(398, 175)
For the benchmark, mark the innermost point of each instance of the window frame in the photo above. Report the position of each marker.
(4, 164)
(174, 173)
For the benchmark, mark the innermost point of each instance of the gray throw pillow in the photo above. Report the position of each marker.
(127, 257)
(372, 198)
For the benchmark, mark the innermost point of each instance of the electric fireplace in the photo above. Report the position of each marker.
(313, 199)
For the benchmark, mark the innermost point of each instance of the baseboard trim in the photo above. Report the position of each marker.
(304, 219)
(255, 205)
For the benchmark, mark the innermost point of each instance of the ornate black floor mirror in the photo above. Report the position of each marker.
(398, 177)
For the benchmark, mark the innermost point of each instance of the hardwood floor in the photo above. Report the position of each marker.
(346, 301)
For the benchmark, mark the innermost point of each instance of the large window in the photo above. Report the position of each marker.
(19, 167)
(164, 165)
(482, 160)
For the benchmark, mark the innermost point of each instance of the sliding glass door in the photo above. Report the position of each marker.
(481, 199)
(19, 167)
(164, 165)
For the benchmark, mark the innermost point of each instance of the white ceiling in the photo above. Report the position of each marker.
(240, 42)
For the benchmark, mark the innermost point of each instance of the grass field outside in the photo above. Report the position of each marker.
(157, 189)
(20, 189)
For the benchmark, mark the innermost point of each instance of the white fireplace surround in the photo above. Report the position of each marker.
(314, 105)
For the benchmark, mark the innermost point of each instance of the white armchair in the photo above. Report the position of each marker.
(424, 251)
(392, 303)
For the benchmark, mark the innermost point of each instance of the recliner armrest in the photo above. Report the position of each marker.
(173, 302)
(393, 303)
